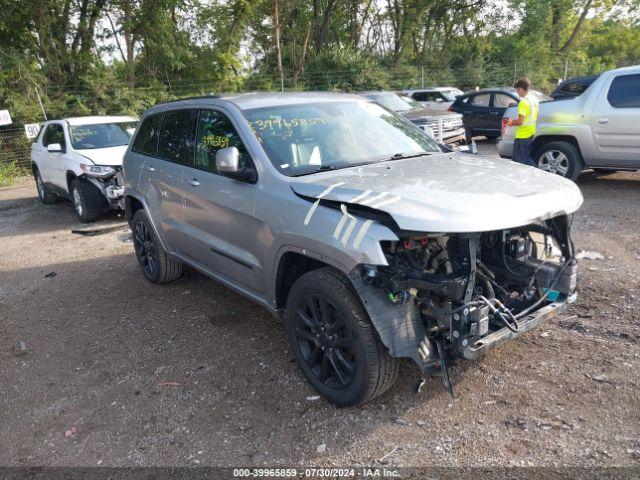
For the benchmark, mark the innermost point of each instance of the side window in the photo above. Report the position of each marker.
(480, 100)
(573, 87)
(176, 139)
(54, 134)
(420, 96)
(147, 137)
(215, 131)
(500, 100)
(624, 92)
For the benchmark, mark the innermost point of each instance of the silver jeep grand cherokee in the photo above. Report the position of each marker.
(371, 241)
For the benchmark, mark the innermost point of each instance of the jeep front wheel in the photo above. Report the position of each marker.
(333, 341)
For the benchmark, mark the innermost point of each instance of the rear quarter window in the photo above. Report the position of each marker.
(146, 140)
(176, 142)
(624, 92)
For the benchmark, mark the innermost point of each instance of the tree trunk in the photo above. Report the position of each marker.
(276, 26)
(585, 10)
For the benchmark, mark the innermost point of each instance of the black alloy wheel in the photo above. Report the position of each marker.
(145, 249)
(333, 340)
(325, 342)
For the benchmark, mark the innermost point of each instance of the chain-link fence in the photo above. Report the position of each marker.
(15, 148)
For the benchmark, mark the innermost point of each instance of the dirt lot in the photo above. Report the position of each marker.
(99, 367)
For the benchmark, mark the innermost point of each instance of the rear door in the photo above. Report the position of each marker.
(616, 122)
(220, 211)
(167, 141)
(476, 112)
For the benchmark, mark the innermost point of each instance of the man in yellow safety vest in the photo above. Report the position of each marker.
(526, 122)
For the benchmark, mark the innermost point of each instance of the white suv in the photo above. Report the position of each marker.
(81, 159)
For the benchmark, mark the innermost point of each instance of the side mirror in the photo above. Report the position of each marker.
(54, 148)
(228, 161)
(228, 164)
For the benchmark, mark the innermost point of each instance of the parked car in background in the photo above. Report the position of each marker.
(446, 127)
(363, 234)
(599, 129)
(573, 87)
(80, 159)
(482, 110)
(437, 98)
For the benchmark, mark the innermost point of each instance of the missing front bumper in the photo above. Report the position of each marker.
(477, 348)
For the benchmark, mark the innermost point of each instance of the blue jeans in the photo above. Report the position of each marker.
(522, 151)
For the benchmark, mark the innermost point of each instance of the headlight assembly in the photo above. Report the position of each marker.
(97, 170)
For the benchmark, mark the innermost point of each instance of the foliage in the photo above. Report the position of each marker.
(10, 172)
(121, 56)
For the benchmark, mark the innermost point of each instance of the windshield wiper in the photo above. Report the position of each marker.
(320, 168)
(402, 156)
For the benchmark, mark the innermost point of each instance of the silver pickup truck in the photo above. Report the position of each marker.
(599, 129)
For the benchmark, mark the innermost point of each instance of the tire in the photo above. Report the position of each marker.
(156, 265)
(561, 158)
(88, 202)
(45, 196)
(334, 343)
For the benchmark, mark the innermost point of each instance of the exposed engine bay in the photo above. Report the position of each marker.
(476, 290)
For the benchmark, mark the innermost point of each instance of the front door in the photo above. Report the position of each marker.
(615, 123)
(219, 210)
(499, 105)
(53, 164)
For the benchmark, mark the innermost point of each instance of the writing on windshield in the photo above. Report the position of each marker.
(335, 134)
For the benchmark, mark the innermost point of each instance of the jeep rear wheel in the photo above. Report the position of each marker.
(44, 194)
(333, 341)
(156, 265)
(561, 158)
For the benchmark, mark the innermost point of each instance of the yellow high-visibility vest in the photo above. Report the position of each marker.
(528, 107)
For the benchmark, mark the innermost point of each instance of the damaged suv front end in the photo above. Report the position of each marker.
(450, 254)
(464, 265)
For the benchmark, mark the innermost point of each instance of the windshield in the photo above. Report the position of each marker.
(540, 96)
(450, 95)
(301, 139)
(413, 103)
(101, 135)
(392, 101)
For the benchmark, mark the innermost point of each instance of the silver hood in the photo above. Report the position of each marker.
(448, 192)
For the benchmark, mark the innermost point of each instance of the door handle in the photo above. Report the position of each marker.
(603, 120)
(194, 182)
(150, 168)
(468, 112)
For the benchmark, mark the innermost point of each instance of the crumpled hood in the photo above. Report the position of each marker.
(105, 156)
(448, 192)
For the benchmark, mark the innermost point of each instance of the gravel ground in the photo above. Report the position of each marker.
(99, 367)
